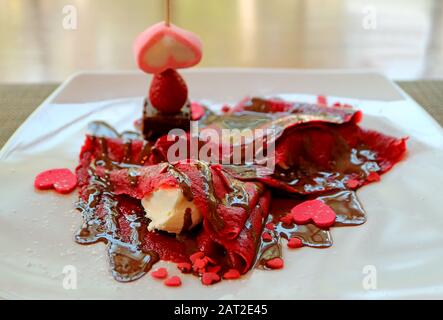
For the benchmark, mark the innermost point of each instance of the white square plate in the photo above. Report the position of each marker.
(400, 244)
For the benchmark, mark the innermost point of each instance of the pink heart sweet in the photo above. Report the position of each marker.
(316, 211)
(62, 180)
(162, 47)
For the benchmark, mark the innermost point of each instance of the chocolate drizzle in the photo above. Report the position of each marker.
(345, 204)
(130, 259)
(101, 214)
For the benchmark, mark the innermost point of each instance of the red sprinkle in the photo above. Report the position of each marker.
(197, 111)
(287, 219)
(314, 210)
(200, 263)
(276, 263)
(266, 236)
(321, 100)
(160, 273)
(225, 108)
(373, 176)
(231, 274)
(197, 255)
(209, 278)
(352, 183)
(174, 281)
(210, 260)
(213, 269)
(62, 180)
(270, 226)
(184, 267)
(295, 243)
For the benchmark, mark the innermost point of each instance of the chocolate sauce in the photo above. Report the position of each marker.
(345, 204)
(215, 220)
(187, 220)
(183, 182)
(128, 258)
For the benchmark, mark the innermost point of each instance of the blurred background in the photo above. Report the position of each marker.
(402, 38)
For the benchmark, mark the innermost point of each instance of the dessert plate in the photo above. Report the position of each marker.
(397, 253)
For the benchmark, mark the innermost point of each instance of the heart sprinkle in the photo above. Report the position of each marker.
(316, 211)
(62, 180)
(287, 219)
(196, 255)
(174, 281)
(373, 177)
(276, 263)
(184, 267)
(160, 273)
(209, 278)
(352, 183)
(266, 236)
(231, 274)
(295, 243)
(270, 226)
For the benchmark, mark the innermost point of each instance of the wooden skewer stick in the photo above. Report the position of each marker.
(168, 12)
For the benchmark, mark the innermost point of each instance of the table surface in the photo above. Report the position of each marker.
(17, 101)
(401, 38)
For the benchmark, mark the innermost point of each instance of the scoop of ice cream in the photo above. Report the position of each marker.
(170, 211)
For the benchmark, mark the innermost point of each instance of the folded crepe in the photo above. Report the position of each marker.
(233, 211)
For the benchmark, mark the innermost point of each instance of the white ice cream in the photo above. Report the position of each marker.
(166, 208)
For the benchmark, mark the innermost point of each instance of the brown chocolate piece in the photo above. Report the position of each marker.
(156, 124)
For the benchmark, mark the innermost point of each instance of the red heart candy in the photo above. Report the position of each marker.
(196, 255)
(231, 274)
(352, 183)
(160, 273)
(275, 263)
(184, 267)
(62, 180)
(373, 177)
(197, 111)
(295, 243)
(266, 236)
(174, 281)
(209, 278)
(213, 269)
(313, 210)
(270, 226)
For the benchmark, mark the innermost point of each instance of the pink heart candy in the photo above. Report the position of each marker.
(62, 180)
(316, 211)
(162, 47)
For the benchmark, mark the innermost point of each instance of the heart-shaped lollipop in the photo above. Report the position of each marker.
(163, 46)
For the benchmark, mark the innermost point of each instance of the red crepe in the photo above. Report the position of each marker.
(318, 149)
(233, 211)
